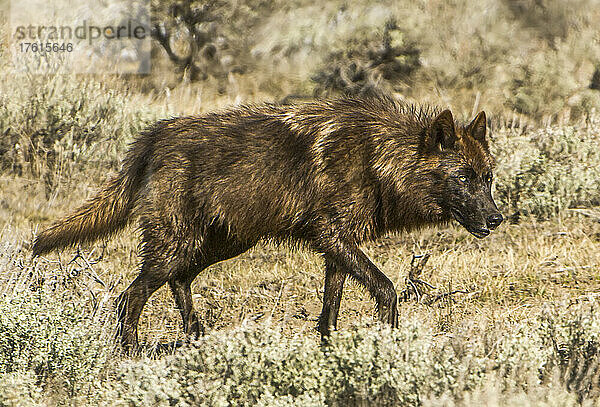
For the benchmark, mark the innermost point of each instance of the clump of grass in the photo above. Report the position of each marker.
(58, 122)
(545, 171)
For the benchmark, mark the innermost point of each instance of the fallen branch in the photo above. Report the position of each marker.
(88, 264)
(431, 300)
(420, 290)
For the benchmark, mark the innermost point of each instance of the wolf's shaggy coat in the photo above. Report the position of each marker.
(329, 175)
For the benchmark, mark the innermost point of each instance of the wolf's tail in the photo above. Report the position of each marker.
(107, 212)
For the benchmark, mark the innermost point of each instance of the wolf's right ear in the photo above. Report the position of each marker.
(441, 134)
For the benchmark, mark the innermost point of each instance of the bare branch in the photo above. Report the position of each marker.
(418, 289)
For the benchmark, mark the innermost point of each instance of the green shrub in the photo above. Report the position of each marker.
(369, 61)
(543, 358)
(573, 334)
(259, 365)
(542, 84)
(551, 19)
(47, 337)
(20, 389)
(553, 81)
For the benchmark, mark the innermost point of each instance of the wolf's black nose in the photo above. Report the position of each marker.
(493, 221)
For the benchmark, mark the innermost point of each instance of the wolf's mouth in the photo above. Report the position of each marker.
(478, 232)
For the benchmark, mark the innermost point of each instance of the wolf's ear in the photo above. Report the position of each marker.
(441, 132)
(477, 128)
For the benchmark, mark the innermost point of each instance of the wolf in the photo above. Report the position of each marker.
(327, 175)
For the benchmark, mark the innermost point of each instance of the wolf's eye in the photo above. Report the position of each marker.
(487, 178)
(462, 178)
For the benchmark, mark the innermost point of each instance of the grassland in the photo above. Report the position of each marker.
(260, 310)
(523, 328)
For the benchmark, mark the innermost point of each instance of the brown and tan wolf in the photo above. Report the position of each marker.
(328, 175)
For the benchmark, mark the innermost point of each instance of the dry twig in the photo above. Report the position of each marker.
(418, 289)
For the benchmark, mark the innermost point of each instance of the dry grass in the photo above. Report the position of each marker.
(509, 279)
(505, 280)
(508, 276)
(50, 163)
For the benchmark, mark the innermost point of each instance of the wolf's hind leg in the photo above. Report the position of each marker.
(163, 256)
(217, 246)
(153, 275)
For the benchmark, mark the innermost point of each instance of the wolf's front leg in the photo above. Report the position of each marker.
(350, 259)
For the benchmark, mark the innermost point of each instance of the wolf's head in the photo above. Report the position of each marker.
(463, 168)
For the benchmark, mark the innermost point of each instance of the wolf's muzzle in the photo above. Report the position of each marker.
(494, 220)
